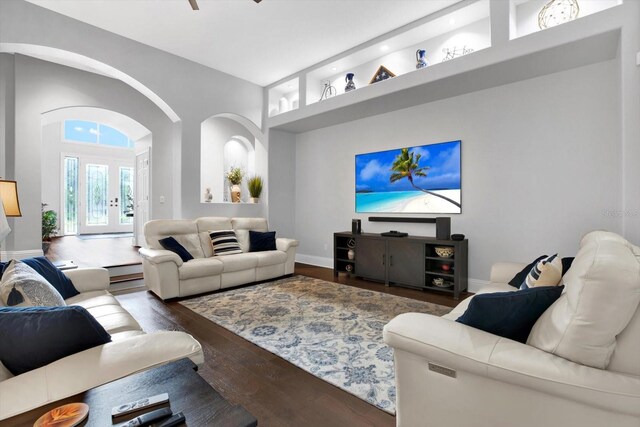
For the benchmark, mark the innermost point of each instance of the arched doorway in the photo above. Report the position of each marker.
(103, 171)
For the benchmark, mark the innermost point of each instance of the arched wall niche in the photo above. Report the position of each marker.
(227, 142)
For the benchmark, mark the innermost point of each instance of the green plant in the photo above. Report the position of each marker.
(255, 184)
(235, 175)
(49, 224)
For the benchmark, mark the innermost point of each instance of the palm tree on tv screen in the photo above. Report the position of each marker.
(406, 165)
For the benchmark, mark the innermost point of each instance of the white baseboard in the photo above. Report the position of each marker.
(8, 255)
(315, 260)
(475, 284)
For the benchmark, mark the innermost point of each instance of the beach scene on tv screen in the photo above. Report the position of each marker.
(421, 179)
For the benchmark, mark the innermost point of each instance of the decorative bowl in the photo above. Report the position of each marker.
(439, 282)
(444, 251)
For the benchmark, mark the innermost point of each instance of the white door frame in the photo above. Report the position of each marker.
(138, 234)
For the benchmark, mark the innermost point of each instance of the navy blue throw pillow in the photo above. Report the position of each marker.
(171, 244)
(260, 242)
(33, 337)
(53, 275)
(510, 314)
(566, 264)
(519, 278)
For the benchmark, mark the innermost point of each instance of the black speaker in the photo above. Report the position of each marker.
(356, 226)
(443, 228)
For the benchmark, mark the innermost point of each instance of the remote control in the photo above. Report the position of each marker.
(175, 420)
(147, 402)
(148, 418)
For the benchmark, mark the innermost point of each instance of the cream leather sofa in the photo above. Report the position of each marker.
(502, 383)
(130, 351)
(168, 277)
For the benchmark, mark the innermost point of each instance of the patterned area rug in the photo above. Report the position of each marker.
(332, 331)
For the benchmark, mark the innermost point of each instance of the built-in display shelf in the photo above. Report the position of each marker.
(507, 59)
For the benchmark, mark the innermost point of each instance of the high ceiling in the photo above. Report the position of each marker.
(262, 42)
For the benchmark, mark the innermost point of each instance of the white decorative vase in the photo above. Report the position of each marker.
(235, 193)
(351, 254)
(254, 199)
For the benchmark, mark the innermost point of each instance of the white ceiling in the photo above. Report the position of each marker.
(262, 43)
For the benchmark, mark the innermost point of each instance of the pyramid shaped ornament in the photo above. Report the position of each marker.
(381, 74)
(558, 12)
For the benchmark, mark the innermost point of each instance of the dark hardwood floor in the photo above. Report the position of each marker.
(276, 392)
(96, 252)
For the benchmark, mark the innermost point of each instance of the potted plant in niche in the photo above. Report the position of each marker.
(234, 176)
(49, 227)
(255, 185)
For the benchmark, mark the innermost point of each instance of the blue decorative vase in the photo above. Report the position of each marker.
(420, 58)
(350, 84)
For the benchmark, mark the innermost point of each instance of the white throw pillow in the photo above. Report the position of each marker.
(243, 240)
(34, 289)
(602, 293)
(546, 272)
(191, 242)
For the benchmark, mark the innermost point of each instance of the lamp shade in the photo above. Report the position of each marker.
(9, 197)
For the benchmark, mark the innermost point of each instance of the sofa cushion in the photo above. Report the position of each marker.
(114, 318)
(255, 224)
(22, 286)
(53, 275)
(200, 268)
(510, 314)
(243, 240)
(491, 287)
(270, 258)
(546, 272)
(207, 223)
(92, 299)
(171, 244)
(224, 242)
(238, 262)
(602, 293)
(36, 336)
(157, 229)
(260, 241)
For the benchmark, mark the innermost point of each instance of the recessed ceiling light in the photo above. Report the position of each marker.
(384, 47)
(334, 68)
(452, 21)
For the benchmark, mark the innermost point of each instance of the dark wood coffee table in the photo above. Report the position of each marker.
(188, 393)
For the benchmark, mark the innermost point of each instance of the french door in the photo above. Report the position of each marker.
(103, 195)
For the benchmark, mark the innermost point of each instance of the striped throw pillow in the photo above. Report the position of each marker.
(547, 272)
(224, 242)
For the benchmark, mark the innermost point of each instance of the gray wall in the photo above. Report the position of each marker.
(282, 183)
(42, 86)
(541, 166)
(193, 91)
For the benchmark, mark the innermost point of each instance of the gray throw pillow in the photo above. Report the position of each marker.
(22, 286)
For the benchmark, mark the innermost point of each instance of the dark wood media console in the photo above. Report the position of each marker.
(409, 261)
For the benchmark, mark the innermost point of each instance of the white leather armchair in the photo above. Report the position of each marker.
(450, 374)
(131, 350)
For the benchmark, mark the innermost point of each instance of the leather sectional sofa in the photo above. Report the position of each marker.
(166, 275)
(490, 381)
(131, 350)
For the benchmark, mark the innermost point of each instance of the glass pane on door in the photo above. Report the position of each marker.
(97, 194)
(126, 195)
(70, 195)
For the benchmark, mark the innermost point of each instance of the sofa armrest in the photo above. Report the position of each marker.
(283, 244)
(503, 272)
(158, 256)
(89, 279)
(464, 348)
(93, 367)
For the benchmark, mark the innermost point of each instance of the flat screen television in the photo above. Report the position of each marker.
(421, 179)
